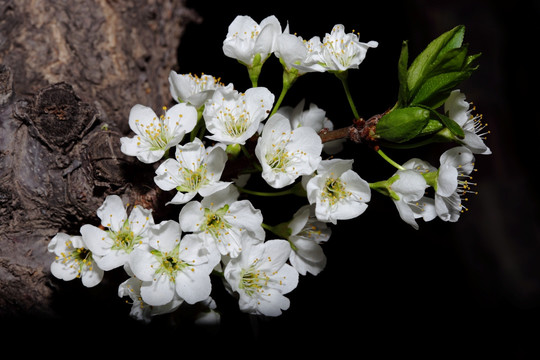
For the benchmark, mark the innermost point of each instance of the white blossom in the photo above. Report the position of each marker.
(121, 234)
(223, 221)
(195, 169)
(192, 89)
(261, 277)
(285, 153)
(74, 260)
(168, 266)
(246, 38)
(232, 117)
(459, 110)
(337, 191)
(453, 182)
(154, 135)
(297, 53)
(307, 233)
(340, 51)
(410, 186)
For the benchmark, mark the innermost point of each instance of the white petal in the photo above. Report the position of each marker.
(165, 177)
(159, 291)
(96, 240)
(64, 271)
(112, 259)
(140, 219)
(410, 186)
(112, 213)
(459, 157)
(447, 180)
(193, 284)
(182, 198)
(191, 216)
(130, 146)
(140, 117)
(91, 277)
(165, 236)
(406, 213)
(143, 264)
(181, 118)
(276, 253)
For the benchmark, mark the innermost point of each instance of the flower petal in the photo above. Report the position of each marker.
(159, 291)
(193, 284)
(112, 213)
(96, 240)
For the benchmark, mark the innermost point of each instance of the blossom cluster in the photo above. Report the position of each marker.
(219, 232)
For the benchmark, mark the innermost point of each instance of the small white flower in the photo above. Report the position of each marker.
(168, 266)
(315, 118)
(307, 233)
(193, 89)
(154, 135)
(337, 191)
(111, 247)
(261, 277)
(139, 309)
(340, 51)
(286, 154)
(453, 182)
(234, 117)
(410, 187)
(459, 110)
(195, 169)
(223, 222)
(297, 53)
(246, 38)
(74, 260)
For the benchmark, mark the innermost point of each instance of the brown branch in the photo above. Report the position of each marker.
(361, 131)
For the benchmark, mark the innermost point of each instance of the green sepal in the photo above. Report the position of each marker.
(450, 125)
(431, 127)
(403, 124)
(383, 187)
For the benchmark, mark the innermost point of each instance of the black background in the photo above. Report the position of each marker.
(471, 287)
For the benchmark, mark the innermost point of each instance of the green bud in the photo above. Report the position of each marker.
(233, 150)
(403, 124)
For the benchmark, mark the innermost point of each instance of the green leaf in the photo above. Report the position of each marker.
(423, 63)
(402, 124)
(435, 90)
(403, 95)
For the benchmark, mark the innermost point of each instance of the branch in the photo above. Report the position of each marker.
(361, 131)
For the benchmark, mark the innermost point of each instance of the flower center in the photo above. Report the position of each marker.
(334, 190)
(253, 280)
(192, 179)
(215, 223)
(78, 257)
(278, 158)
(124, 239)
(235, 124)
(169, 262)
(156, 133)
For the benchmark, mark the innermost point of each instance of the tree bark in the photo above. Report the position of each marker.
(70, 71)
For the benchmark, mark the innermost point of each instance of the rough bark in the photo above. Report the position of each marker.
(69, 73)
